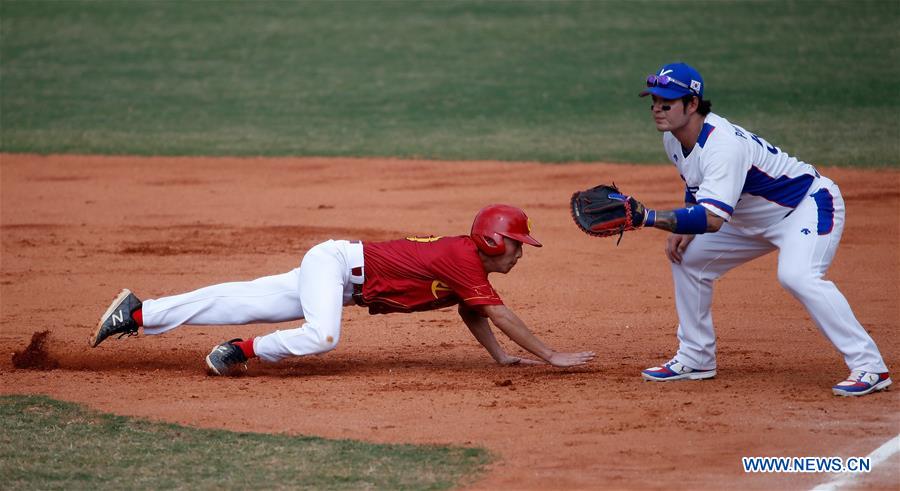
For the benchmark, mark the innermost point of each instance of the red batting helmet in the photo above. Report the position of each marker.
(494, 222)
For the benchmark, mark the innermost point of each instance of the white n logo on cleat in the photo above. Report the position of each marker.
(118, 317)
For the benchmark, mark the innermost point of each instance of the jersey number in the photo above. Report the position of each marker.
(740, 132)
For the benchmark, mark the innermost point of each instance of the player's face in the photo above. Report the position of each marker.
(504, 262)
(510, 256)
(669, 114)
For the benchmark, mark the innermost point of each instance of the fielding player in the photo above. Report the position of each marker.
(745, 198)
(407, 275)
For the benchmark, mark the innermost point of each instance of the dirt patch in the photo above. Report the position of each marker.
(167, 225)
(35, 355)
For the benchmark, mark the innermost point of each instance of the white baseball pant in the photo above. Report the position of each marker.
(315, 292)
(803, 259)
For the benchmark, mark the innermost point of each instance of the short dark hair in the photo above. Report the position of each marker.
(703, 109)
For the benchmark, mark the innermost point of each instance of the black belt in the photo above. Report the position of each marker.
(358, 289)
(358, 296)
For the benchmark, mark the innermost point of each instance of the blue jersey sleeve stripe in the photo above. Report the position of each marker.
(825, 204)
(718, 204)
(704, 134)
(785, 191)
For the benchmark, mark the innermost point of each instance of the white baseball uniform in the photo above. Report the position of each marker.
(316, 292)
(769, 201)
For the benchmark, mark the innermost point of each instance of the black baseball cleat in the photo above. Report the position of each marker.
(117, 319)
(226, 359)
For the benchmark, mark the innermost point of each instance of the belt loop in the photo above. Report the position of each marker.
(354, 258)
(357, 275)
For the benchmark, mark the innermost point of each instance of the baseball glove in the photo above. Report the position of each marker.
(603, 211)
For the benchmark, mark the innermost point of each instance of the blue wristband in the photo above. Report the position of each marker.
(650, 218)
(690, 220)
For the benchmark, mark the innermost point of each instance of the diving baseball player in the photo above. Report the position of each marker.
(407, 275)
(744, 198)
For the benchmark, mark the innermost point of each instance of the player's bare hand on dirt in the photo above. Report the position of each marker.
(676, 245)
(515, 360)
(571, 359)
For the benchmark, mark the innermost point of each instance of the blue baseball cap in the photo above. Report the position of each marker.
(674, 81)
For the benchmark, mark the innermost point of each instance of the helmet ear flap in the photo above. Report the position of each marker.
(491, 245)
(495, 222)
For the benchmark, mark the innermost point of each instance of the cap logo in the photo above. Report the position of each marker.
(665, 72)
(528, 224)
(695, 85)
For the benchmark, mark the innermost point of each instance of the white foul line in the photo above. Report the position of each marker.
(878, 456)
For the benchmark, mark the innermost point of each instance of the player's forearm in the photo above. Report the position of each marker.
(512, 326)
(481, 330)
(689, 220)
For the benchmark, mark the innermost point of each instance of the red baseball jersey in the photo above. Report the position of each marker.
(424, 273)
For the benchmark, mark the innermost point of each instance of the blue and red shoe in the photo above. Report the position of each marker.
(674, 370)
(860, 383)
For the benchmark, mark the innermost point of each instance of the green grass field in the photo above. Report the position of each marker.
(47, 444)
(547, 81)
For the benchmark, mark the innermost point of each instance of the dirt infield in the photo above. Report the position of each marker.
(75, 230)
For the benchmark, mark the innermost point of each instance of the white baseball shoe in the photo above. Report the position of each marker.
(860, 383)
(675, 370)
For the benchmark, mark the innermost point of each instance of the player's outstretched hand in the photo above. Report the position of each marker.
(571, 359)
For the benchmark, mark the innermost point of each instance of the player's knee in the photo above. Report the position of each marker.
(796, 280)
(324, 339)
(329, 343)
(308, 339)
(691, 258)
(695, 266)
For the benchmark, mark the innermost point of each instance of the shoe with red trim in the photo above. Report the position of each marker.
(118, 318)
(860, 383)
(226, 359)
(674, 370)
